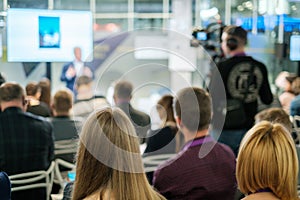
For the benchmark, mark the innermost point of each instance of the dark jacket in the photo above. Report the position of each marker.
(140, 120)
(235, 73)
(26, 144)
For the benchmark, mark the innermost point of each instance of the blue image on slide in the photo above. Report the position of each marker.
(49, 32)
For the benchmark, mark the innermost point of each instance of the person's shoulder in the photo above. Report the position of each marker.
(224, 149)
(3, 175)
(171, 165)
(257, 62)
(138, 112)
(38, 119)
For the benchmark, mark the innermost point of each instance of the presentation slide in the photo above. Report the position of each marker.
(35, 35)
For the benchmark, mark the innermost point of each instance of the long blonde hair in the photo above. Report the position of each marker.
(268, 159)
(109, 160)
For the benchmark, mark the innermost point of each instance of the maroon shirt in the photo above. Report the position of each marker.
(187, 176)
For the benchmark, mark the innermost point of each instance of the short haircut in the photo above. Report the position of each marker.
(11, 91)
(275, 115)
(236, 32)
(296, 86)
(32, 88)
(193, 107)
(123, 89)
(268, 159)
(83, 80)
(63, 100)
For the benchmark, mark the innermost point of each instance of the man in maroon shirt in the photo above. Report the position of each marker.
(203, 169)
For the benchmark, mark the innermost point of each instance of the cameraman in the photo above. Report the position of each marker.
(244, 78)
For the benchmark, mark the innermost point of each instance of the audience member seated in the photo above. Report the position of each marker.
(140, 120)
(5, 187)
(162, 140)
(86, 101)
(35, 106)
(65, 127)
(267, 164)
(284, 81)
(203, 169)
(275, 115)
(45, 86)
(109, 164)
(26, 140)
(295, 104)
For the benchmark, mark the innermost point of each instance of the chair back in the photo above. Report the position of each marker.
(60, 177)
(30, 180)
(65, 146)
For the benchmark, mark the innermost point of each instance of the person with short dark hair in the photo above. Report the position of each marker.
(26, 140)
(122, 97)
(203, 169)
(65, 127)
(244, 80)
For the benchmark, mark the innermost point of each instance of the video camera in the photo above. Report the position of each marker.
(209, 38)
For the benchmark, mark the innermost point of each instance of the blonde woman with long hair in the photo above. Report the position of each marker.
(267, 163)
(109, 164)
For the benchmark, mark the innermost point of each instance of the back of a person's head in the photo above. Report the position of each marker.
(267, 159)
(108, 158)
(193, 107)
(83, 80)
(123, 89)
(236, 32)
(45, 86)
(32, 88)
(165, 104)
(11, 91)
(274, 115)
(296, 86)
(63, 100)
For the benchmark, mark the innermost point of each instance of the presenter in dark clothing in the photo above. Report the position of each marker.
(244, 78)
